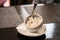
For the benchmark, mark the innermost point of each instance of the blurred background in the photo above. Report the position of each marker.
(5, 3)
(19, 2)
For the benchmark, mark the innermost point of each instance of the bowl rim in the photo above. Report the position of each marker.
(38, 25)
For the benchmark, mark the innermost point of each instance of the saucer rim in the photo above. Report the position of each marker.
(30, 32)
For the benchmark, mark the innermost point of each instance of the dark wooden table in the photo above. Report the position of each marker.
(50, 13)
(51, 16)
(52, 32)
(9, 17)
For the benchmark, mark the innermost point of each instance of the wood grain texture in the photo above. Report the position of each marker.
(50, 13)
(9, 17)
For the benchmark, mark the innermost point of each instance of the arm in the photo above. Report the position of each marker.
(2, 2)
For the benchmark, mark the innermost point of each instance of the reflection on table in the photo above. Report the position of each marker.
(12, 34)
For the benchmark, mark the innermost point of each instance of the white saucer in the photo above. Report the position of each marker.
(22, 30)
